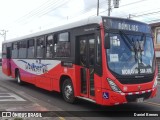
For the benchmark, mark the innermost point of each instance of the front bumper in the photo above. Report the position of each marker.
(115, 98)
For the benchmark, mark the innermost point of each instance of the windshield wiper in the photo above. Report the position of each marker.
(130, 43)
(140, 45)
(135, 49)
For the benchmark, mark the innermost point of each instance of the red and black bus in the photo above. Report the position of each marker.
(105, 60)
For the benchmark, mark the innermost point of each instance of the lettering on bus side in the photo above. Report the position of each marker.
(67, 64)
(36, 67)
(89, 29)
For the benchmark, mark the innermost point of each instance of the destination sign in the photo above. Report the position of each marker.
(126, 24)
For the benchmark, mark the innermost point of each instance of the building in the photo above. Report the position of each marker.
(156, 35)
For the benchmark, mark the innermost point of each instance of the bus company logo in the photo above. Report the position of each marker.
(37, 67)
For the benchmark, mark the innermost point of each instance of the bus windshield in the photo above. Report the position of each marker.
(130, 54)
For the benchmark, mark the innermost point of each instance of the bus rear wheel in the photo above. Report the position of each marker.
(19, 81)
(68, 91)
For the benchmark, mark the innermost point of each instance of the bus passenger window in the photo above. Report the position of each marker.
(40, 47)
(4, 51)
(30, 48)
(22, 49)
(62, 47)
(49, 46)
(15, 50)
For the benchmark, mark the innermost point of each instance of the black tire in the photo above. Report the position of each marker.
(18, 78)
(68, 91)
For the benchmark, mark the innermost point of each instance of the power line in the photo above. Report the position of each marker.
(125, 5)
(100, 5)
(154, 20)
(133, 3)
(40, 10)
(45, 9)
(32, 12)
(84, 11)
(147, 14)
(60, 5)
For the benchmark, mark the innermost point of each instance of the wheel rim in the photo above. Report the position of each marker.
(18, 79)
(68, 91)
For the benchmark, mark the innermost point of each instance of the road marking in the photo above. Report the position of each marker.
(61, 118)
(10, 97)
(152, 103)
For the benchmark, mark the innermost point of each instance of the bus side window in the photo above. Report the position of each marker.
(49, 46)
(4, 51)
(62, 45)
(15, 50)
(40, 47)
(22, 49)
(30, 50)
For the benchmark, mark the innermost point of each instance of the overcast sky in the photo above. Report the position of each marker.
(21, 17)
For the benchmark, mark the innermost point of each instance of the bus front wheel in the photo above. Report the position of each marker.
(68, 91)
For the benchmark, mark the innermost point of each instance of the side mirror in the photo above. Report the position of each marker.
(107, 41)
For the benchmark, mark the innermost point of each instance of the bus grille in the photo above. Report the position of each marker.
(132, 98)
(132, 80)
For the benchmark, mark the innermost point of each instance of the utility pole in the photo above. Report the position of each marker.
(115, 4)
(109, 7)
(97, 7)
(3, 33)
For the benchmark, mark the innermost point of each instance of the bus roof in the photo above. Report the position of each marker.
(90, 20)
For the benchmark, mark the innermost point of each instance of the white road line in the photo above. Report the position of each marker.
(10, 97)
(153, 104)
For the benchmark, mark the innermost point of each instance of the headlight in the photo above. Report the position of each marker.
(113, 86)
(155, 82)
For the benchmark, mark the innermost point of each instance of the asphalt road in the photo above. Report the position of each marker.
(30, 98)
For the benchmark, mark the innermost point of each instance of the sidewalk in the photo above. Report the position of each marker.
(17, 103)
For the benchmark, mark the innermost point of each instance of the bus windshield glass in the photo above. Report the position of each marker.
(130, 54)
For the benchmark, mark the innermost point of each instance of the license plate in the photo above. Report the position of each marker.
(140, 99)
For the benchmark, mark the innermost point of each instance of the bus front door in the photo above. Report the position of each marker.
(86, 58)
(6, 63)
(8, 60)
